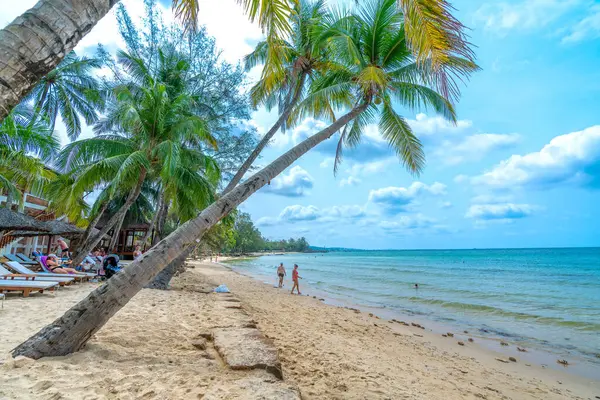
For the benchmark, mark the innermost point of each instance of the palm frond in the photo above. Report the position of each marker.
(398, 133)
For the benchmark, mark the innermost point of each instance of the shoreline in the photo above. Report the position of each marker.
(545, 357)
(147, 350)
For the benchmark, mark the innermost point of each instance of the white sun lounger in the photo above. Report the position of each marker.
(21, 269)
(26, 286)
(6, 274)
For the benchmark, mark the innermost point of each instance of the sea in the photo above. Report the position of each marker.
(545, 300)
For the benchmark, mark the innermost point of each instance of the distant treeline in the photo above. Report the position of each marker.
(238, 234)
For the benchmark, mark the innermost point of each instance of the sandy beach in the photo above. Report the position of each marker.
(149, 350)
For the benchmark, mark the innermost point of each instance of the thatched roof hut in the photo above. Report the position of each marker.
(53, 228)
(11, 220)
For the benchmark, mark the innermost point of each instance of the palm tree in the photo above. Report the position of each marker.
(32, 49)
(380, 51)
(304, 53)
(150, 131)
(24, 148)
(71, 90)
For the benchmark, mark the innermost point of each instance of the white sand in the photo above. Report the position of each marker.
(328, 352)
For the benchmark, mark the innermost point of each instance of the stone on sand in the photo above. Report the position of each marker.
(247, 348)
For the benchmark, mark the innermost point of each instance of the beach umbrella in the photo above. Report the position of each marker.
(11, 220)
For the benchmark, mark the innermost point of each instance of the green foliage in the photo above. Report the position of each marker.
(372, 65)
(237, 234)
(71, 90)
(25, 146)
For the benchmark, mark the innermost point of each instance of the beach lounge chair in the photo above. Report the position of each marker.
(6, 274)
(44, 265)
(26, 286)
(21, 269)
(12, 257)
(26, 260)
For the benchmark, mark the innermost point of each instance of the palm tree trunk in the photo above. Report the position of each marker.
(114, 240)
(162, 280)
(90, 228)
(93, 242)
(72, 330)
(160, 222)
(267, 138)
(10, 199)
(161, 199)
(35, 42)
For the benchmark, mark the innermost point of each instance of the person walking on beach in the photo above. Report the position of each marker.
(281, 273)
(295, 278)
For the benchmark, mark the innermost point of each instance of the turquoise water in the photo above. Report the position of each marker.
(548, 298)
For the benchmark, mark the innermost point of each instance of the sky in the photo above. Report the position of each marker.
(520, 168)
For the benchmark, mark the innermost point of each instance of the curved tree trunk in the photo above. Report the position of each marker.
(35, 42)
(266, 139)
(90, 228)
(72, 330)
(114, 240)
(148, 236)
(162, 280)
(93, 242)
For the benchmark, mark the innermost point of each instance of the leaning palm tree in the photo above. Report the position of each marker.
(382, 72)
(283, 86)
(31, 50)
(71, 90)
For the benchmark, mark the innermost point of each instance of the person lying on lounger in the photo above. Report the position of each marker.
(55, 266)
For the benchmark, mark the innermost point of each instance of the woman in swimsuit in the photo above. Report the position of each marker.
(55, 267)
(281, 274)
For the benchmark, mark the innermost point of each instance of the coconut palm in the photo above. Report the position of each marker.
(283, 86)
(24, 148)
(32, 50)
(71, 90)
(380, 51)
(150, 131)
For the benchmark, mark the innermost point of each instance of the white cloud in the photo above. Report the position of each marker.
(461, 178)
(296, 183)
(491, 199)
(587, 28)
(504, 211)
(327, 162)
(298, 213)
(418, 221)
(409, 224)
(446, 204)
(426, 127)
(503, 17)
(372, 167)
(572, 158)
(394, 200)
(350, 181)
(475, 147)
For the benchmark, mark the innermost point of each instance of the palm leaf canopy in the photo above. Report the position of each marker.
(373, 64)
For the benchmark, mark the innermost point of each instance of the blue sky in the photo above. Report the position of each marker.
(520, 169)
